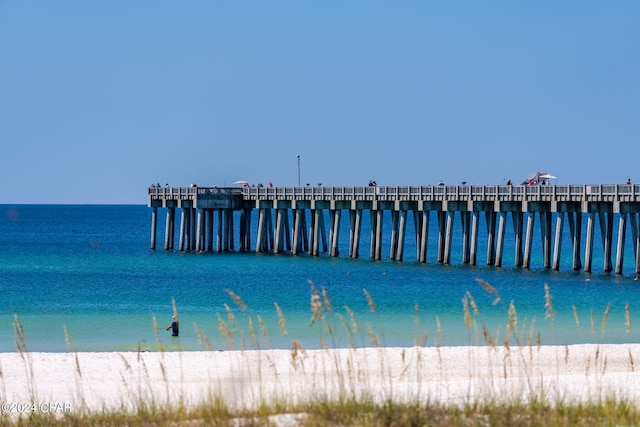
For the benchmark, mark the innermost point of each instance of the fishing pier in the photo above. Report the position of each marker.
(294, 220)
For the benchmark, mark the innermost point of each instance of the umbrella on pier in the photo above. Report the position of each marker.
(538, 177)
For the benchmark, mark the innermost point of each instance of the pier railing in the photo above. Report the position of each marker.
(191, 192)
(562, 193)
(559, 193)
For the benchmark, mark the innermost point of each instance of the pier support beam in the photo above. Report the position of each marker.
(518, 219)
(378, 237)
(606, 229)
(473, 255)
(528, 241)
(545, 230)
(209, 230)
(185, 230)
(334, 236)
(199, 230)
(170, 226)
(622, 227)
(446, 259)
(441, 235)
(219, 231)
(424, 234)
(393, 247)
(558, 242)
(635, 235)
(357, 227)
(154, 225)
(490, 217)
(296, 248)
(465, 219)
(575, 225)
(401, 235)
(588, 250)
(502, 224)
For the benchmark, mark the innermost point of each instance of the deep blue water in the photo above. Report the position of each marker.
(90, 269)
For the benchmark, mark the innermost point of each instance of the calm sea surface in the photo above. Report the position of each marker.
(89, 269)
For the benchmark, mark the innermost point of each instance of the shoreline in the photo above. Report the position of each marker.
(244, 379)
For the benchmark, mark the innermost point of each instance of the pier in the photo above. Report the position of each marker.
(299, 220)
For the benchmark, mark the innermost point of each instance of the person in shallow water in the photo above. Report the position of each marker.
(175, 329)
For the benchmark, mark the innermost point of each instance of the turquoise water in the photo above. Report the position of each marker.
(90, 269)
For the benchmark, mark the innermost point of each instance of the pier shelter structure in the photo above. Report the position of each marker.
(282, 225)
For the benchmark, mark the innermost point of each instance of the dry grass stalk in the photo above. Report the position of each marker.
(512, 321)
(522, 330)
(507, 358)
(327, 302)
(370, 301)
(487, 337)
(263, 327)
(467, 314)
(423, 339)
(316, 308)
(344, 322)
(237, 300)
(539, 341)
(548, 304)
(202, 337)
(575, 315)
(439, 329)
(472, 303)
(296, 348)
(67, 338)
(531, 332)
(21, 345)
(78, 382)
(127, 366)
(157, 333)
(354, 322)
(230, 315)
(323, 343)
(490, 290)
(372, 337)
(252, 334)
(631, 362)
(225, 332)
(627, 316)
(281, 321)
(605, 317)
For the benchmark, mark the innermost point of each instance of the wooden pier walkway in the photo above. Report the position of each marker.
(282, 225)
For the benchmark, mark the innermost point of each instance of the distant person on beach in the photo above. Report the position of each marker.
(175, 328)
(628, 181)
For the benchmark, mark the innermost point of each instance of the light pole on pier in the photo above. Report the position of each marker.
(298, 170)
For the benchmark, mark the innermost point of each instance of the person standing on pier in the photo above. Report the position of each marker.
(174, 326)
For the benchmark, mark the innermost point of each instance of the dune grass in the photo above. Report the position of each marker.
(344, 393)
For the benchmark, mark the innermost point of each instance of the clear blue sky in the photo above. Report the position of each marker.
(99, 99)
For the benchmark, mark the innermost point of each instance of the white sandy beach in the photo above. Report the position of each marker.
(451, 375)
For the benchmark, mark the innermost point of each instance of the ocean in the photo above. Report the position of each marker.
(89, 271)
